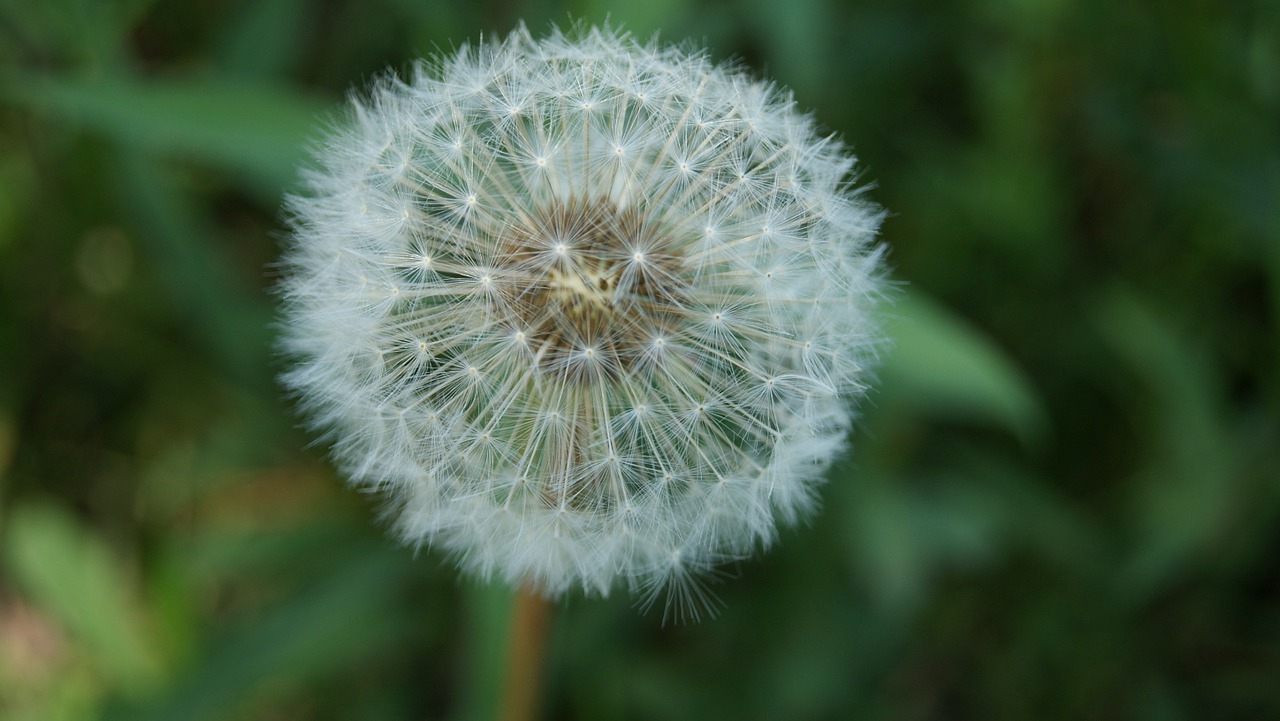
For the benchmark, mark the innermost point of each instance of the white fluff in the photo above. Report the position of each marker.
(583, 309)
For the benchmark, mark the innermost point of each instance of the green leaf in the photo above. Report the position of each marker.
(939, 365)
(266, 40)
(218, 306)
(17, 189)
(74, 575)
(798, 36)
(641, 19)
(322, 630)
(905, 531)
(891, 553)
(1189, 485)
(254, 128)
(84, 31)
(488, 621)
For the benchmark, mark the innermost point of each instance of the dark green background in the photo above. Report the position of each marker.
(1063, 500)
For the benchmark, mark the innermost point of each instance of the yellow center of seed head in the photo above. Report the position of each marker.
(578, 299)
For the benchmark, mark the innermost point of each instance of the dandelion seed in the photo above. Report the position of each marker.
(585, 381)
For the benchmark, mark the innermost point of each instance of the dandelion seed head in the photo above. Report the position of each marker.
(524, 301)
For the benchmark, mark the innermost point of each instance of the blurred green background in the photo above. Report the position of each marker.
(1063, 500)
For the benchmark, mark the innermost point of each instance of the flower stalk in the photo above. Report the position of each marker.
(526, 656)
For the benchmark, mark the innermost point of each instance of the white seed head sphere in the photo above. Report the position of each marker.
(585, 310)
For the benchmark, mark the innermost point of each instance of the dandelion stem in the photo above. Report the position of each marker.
(525, 656)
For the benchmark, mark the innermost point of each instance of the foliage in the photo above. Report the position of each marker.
(1064, 496)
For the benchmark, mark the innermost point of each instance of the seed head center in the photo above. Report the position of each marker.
(581, 285)
(580, 293)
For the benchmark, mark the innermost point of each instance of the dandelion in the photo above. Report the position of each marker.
(586, 312)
